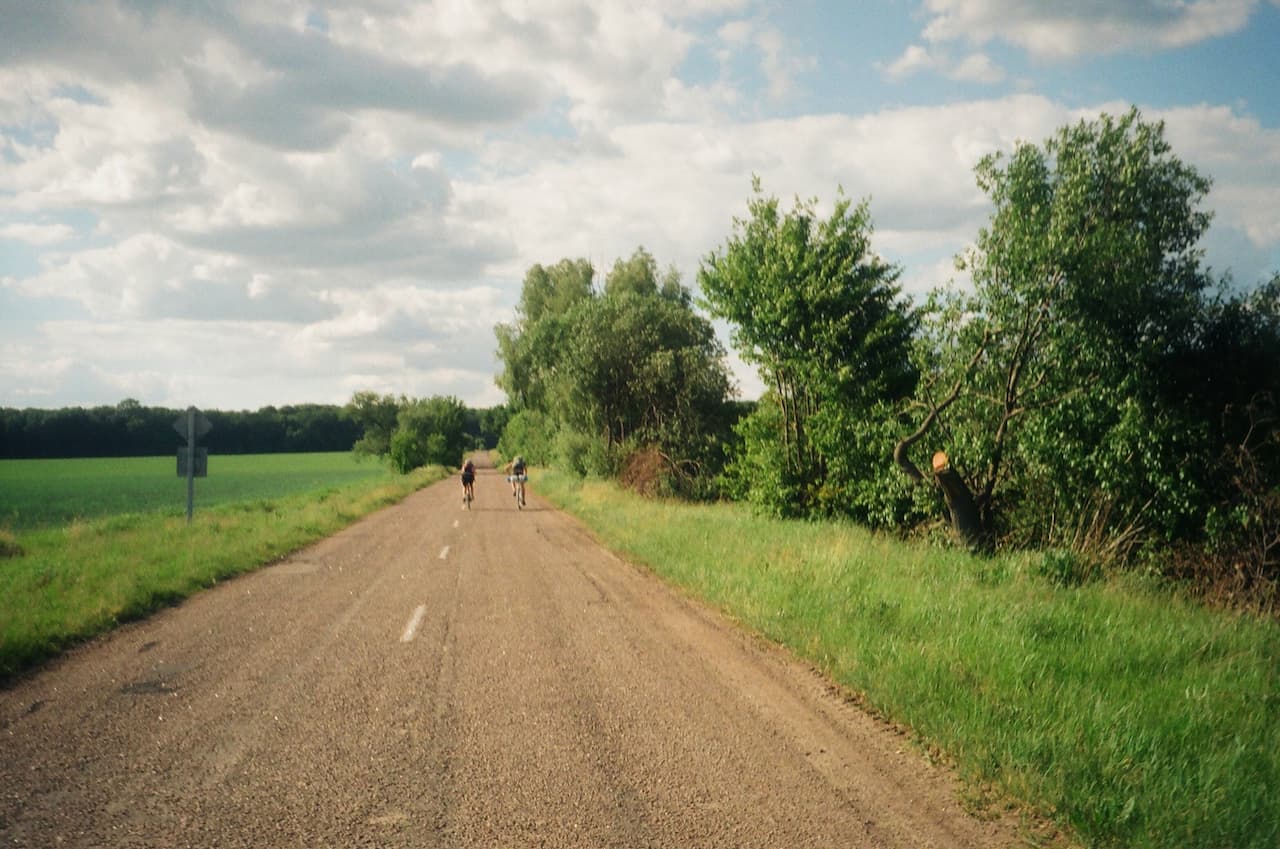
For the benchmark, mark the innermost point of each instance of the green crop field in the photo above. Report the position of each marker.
(47, 493)
(88, 544)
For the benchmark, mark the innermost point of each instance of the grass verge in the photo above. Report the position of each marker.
(1128, 717)
(63, 585)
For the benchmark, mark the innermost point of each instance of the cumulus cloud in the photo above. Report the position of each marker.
(352, 193)
(1059, 30)
(1242, 157)
(676, 188)
(977, 68)
(37, 233)
(974, 68)
(781, 62)
(913, 60)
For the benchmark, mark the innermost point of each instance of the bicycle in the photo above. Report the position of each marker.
(519, 480)
(468, 485)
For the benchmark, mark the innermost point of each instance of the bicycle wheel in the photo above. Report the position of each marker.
(520, 496)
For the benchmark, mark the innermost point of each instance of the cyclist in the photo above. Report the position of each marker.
(468, 480)
(517, 471)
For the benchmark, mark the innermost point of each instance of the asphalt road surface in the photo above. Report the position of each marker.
(437, 677)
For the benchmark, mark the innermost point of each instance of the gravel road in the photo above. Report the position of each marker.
(440, 677)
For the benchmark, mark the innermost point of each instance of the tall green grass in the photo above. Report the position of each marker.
(44, 493)
(61, 585)
(1125, 715)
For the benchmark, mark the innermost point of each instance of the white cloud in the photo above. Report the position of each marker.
(37, 234)
(780, 60)
(974, 68)
(1058, 30)
(912, 61)
(977, 68)
(676, 188)
(1243, 159)
(354, 193)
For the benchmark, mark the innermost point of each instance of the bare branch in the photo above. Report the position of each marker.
(900, 450)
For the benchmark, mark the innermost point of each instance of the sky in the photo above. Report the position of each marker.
(237, 204)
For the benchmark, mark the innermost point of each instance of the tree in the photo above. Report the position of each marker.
(641, 368)
(597, 374)
(531, 346)
(376, 414)
(1053, 383)
(639, 275)
(429, 432)
(821, 313)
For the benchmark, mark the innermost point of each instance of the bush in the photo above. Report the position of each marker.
(408, 451)
(1238, 563)
(650, 472)
(581, 454)
(531, 435)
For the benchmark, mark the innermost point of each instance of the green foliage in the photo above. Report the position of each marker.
(642, 368)
(811, 303)
(485, 426)
(758, 471)
(639, 275)
(1087, 299)
(377, 416)
(530, 348)
(633, 365)
(430, 432)
(552, 291)
(584, 454)
(1067, 568)
(129, 429)
(530, 434)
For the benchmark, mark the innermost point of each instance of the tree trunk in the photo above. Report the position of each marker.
(966, 520)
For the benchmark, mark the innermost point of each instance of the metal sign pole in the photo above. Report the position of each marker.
(191, 461)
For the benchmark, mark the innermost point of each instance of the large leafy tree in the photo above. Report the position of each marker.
(1055, 384)
(531, 346)
(641, 367)
(608, 372)
(376, 415)
(823, 317)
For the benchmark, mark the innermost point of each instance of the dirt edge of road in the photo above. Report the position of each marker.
(851, 709)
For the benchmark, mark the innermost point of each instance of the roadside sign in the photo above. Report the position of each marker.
(198, 421)
(193, 462)
(201, 469)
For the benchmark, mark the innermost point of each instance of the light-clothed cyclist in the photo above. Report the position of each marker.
(516, 472)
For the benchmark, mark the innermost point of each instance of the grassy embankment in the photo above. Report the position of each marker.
(65, 581)
(1127, 716)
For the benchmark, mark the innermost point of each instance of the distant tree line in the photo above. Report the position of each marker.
(130, 429)
(1094, 392)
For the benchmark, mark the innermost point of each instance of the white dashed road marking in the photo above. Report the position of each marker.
(412, 629)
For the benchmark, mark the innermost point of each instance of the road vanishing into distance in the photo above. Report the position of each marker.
(437, 677)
